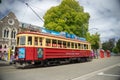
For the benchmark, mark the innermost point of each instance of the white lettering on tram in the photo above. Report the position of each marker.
(72, 53)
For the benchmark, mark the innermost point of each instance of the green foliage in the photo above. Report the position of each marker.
(69, 17)
(118, 45)
(94, 40)
(108, 45)
(115, 50)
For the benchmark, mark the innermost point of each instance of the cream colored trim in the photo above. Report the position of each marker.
(50, 37)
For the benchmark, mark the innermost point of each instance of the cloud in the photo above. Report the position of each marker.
(24, 13)
(105, 14)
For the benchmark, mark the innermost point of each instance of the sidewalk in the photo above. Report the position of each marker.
(4, 63)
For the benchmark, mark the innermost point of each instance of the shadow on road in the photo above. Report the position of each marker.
(46, 66)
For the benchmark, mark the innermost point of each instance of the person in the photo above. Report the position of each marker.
(11, 58)
(92, 54)
(5, 56)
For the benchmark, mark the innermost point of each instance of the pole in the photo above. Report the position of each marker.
(9, 52)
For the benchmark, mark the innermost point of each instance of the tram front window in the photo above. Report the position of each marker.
(29, 40)
(22, 40)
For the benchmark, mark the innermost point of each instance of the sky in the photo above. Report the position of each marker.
(104, 14)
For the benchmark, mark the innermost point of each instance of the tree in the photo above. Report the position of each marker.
(118, 45)
(69, 17)
(115, 50)
(94, 39)
(109, 45)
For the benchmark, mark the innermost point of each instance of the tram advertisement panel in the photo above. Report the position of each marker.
(40, 52)
(21, 53)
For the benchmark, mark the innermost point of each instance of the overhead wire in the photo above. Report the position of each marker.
(32, 10)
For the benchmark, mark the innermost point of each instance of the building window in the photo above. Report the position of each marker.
(5, 46)
(6, 33)
(13, 33)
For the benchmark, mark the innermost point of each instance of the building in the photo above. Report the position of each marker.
(9, 27)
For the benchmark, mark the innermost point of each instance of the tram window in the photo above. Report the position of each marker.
(36, 41)
(59, 44)
(72, 45)
(48, 42)
(29, 40)
(76, 45)
(68, 45)
(54, 43)
(22, 40)
(64, 44)
(79, 46)
(82, 46)
(40, 41)
(17, 40)
(86, 46)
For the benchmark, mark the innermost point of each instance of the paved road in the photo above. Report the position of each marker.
(98, 69)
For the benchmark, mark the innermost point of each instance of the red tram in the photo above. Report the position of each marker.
(45, 49)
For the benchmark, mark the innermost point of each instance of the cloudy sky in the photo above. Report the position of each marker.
(105, 14)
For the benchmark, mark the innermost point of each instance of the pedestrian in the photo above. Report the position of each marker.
(11, 58)
(92, 54)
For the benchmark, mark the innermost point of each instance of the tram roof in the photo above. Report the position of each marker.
(50, 35)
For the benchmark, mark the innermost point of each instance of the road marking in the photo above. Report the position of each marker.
(103, 74)
(119, 65)
(86, 76)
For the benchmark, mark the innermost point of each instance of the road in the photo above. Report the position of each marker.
(98, 69)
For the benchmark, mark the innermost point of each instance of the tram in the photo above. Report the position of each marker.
(44, 49)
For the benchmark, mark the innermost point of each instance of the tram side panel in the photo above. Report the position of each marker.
(39, 54)
(65, 53)
(33, 53)
(30, 53)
